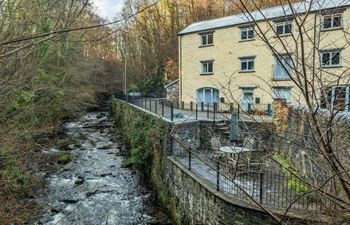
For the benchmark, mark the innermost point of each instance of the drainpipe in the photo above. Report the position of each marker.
(180, 69)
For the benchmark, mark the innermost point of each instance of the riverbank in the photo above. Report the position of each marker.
(93, 187)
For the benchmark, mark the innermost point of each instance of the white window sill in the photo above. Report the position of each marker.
(331, 66)
(281, 79)
(331, 29)
(282, 35)
(246, 40)
(246, 71)
(208, 45)
(205, 74)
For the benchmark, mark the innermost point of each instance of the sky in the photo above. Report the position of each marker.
(108, 9)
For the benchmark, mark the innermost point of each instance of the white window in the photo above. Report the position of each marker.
(284, 93)
(207, 67)
(247, 64)
(332, 21)
(247, 33)
(335, 98)
(207, 39)
(331, 58)
(284, 28)
(283, 68)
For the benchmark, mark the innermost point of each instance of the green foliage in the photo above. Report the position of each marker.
(298, 186)
(293, 182)
(45, 51)
(22, 98)
(133, 88)
(64, 159)
(146, 135)
(282, 159)
(16, 180)
(152, 86)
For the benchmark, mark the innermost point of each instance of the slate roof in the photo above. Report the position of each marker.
(172, 83)
(268, 13)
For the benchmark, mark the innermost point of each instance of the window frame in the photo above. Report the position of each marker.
(331, 52)
(332, 15)
(214, 95)
(247, 60)
(284, 24)
(277, 62)
(332, 96)
(278, 88)
(206, 35)
(207, 62)
(246, 29)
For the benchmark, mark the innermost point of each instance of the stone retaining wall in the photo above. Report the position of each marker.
(190, 199)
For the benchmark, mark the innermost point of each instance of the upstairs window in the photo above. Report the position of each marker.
(331, 58)
(247, 33)
(207, 39)
(283, 68)
(284, 28)
(247, 64)
(333, 21)
(207, 67)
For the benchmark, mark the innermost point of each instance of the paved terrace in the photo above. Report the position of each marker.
(269, 189)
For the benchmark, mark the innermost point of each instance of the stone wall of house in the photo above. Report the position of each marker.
(172, 92)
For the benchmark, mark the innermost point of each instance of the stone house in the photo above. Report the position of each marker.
(228, 60)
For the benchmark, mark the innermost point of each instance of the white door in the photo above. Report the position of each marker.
(208, 96)
(248, 98)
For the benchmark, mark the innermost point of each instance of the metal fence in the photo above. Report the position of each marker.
(193, 110)
(278, 190)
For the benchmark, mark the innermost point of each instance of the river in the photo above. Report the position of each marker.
(94, 188)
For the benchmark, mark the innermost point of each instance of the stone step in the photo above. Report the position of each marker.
(221, 124)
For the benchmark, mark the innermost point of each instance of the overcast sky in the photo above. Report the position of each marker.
(108, 8)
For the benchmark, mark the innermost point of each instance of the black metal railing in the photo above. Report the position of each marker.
(193, 110)
(278, 190)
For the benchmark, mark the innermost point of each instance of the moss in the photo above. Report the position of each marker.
(147, 138)
(64, 159)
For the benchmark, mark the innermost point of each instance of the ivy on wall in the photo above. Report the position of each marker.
(147, 137)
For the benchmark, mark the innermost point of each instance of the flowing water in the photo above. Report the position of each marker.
(94, 188)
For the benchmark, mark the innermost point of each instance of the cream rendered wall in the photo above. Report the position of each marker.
(228, 48)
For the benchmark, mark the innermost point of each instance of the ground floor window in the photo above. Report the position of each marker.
(284, 93)
(335, 98)
(208, 95)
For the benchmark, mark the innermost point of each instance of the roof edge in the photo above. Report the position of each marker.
(183, 32)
